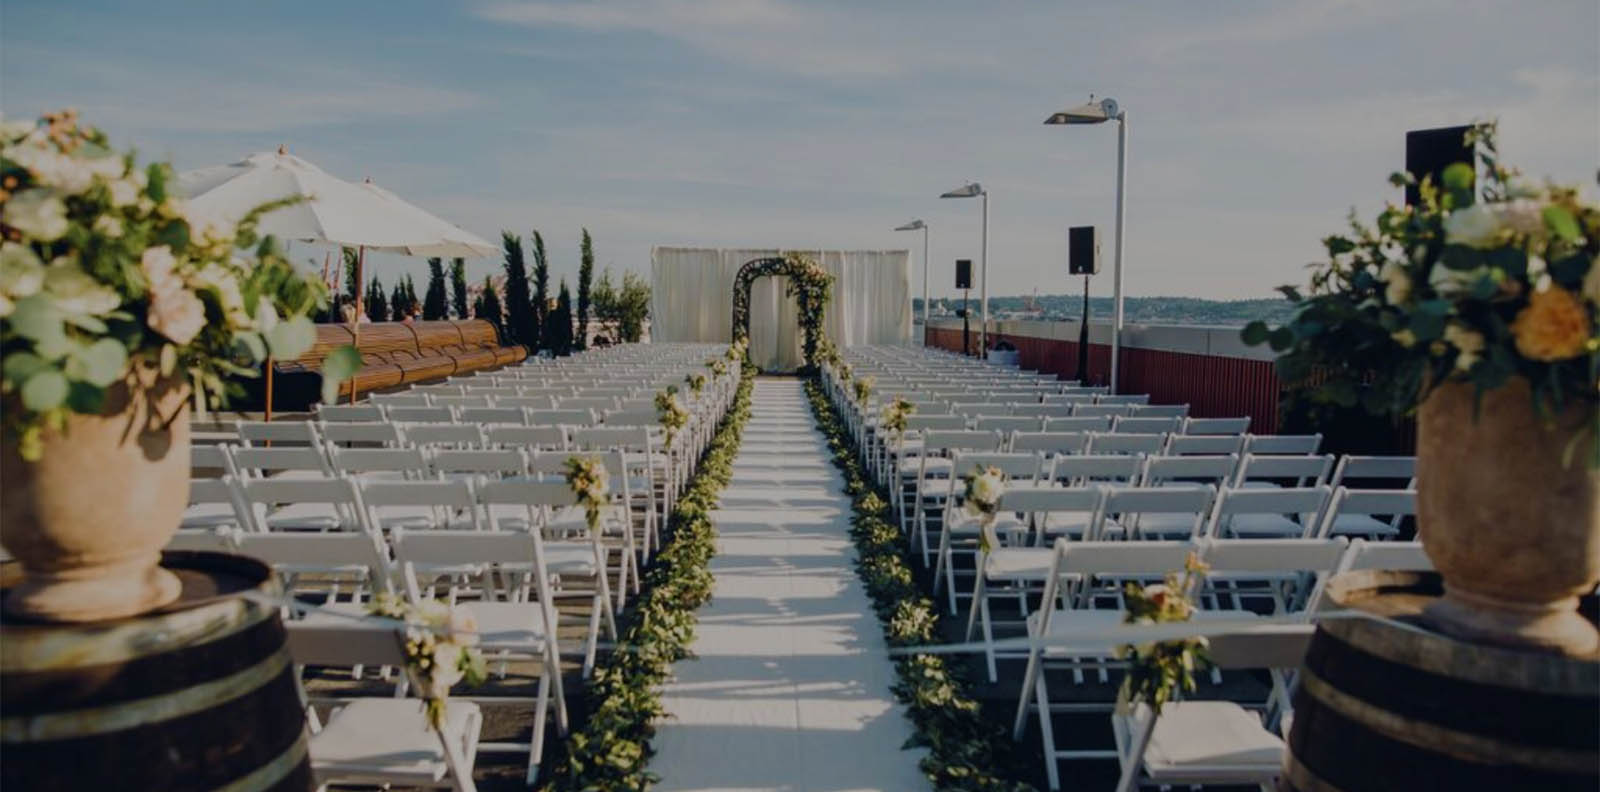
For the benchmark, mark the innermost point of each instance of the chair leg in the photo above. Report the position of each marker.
(540, 711)
(978, 586)
(1046, 733)
(988, 643)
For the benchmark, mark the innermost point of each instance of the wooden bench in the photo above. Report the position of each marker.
(392, 354)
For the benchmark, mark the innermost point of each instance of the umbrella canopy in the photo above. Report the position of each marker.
(337, 211)
(451, 241)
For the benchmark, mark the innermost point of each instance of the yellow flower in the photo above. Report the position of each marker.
(1469, 342)
(1554, 326)
(1404, 338)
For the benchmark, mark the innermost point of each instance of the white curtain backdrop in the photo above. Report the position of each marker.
(691, 299)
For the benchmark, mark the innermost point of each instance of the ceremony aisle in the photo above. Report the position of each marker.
(789, 686)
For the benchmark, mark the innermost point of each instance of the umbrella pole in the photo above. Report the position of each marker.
(361, 260)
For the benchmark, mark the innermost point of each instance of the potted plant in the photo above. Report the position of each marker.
(117, 311)
(1477, 315)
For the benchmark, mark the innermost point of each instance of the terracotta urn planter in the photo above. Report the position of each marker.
(1514, 533)
(88, 520)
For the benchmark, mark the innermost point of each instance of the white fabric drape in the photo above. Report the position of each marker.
(692, 300)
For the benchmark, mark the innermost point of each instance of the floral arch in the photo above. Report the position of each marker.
(809, 284)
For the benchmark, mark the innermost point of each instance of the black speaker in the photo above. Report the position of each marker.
(963, 273)
(1083, 250)
(1430, 151)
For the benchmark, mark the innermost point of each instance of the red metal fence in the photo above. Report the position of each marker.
(1212, 386)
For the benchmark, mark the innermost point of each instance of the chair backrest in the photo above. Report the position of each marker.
(919, 422)
(1180, 411)
(1124, 398)
(1102, 410)
(1211, 445)
(495, 392)
(539, 438)
(355, 461)
(375, 432)
(1008, 424)
(480, 461)
(596, 403)
(1297, 471)
(255, 462)
(1096, 468)
(628, 438)
(1217, 426)
(420, 414)
(1132, 503)
(1079, 423)
(1111, 559)
(1150, 425)
(521, 492)
(212, 540)
(252, 433)
(1050, 443)
(1035, 500)
(937, 442)
(1237, 556)
(1126, 443)
(1283, 444)
(387, 400)
(1391, 556)
(561, 417)
(1042, 410)
(210, 458)
(344, 643)
(427, 435)
(493, 416)
(527, 402)
(445, 498)
(321, 551)
(330, 413)
(1402, 469)
(1393, 504)
(632, 418)
(462, 401)
(1012, 466)
(1216, 470)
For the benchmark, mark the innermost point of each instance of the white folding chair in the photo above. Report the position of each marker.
(1135, 399)
(380, 463)
(1373, 514)
(1147, 425)
(215, 504)
(1083, 471)
(1208, 445)
(1102, 410)
(421, 505)
(931, 472)
(1179, 411)
(211, 461)
(281, 462)
(1266, 513)
(304, 504)
(1217, 426)
(1282, 444)
(420, 414)
(381, 741)
(1049, 444)
(1176, 511)
(407, 399)
(341, 413)
(352, 564)
(492, 416)
(1259, 471)
(1398, 471)
(441, 435)
(477, 464)
(957, 526)
(278, 433)
(1079, 423)
(527, 438)
(1113, 443)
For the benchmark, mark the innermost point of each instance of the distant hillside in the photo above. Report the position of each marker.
(1144, 310)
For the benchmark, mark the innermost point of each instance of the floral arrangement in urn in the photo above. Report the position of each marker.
(117, 310)
(441, 647)
(1158, 672)
(1477, 312)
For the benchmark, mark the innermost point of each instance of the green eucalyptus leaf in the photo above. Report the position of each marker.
(1458, 176)
(1255, 333)
(1561, 222)
(1281, 339)
(250, 345)
(83, 397)
(340, 365)
(45, 390)
(104, 362)
(36, 318)
(19, 366)
(291, 337)
(85, 323)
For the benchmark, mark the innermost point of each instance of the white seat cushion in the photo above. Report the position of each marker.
(1211, 741)
(390, 738)
(1166, 526)
(420, 518)
(209, 515)
(305, 517)
(1264, 526)
(1351, 525)
(509, 625)
(1019, 563)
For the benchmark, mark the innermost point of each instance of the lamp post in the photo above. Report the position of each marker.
(915, 225)
(975, 190)
(1098, 112)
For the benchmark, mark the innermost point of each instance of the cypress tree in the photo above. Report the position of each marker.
(435, 305)
(458, 286)
(541, 290)
(375, 303)
(519, 312)
(585, 281)
(489, 304)
(398, 304)
(559, 330)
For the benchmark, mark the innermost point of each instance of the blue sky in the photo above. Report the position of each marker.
(1254, 125)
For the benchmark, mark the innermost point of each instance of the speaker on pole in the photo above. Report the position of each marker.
(1430, 151)
(963, 273)
(1083, 250)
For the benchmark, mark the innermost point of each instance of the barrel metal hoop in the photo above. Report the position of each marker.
(121, 643)
(1430, 737)
(142, 712)
(1410, 645)
(270, 774)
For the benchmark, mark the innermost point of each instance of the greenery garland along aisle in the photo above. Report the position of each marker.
(965, 751)
(611, 749)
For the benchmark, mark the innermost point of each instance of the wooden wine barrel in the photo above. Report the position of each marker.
(198, 695)
(1391, 705)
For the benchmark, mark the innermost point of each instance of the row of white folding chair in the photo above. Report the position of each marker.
(1254, 752)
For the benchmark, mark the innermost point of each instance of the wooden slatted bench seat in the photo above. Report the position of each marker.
(392, 354)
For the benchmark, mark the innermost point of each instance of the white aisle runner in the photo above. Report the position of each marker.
(789, 689)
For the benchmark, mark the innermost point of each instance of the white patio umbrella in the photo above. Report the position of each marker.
(337, 212)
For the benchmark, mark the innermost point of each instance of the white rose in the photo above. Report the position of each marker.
(174, 310)
(1469, 342)
(77, 292)
(107, 226)
(266, 314)
(21, 271)
(227, 288)
(463, 626)
(6, 306)
(1523, 217)
(1474, 226)
(446, 668)
(50, 167)
(124, 192)
(1453, 282)
(37, 213)
(1397, 283)
(109, 168)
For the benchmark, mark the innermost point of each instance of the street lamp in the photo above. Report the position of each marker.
(1099, 112)
(915, 225)
(975, 190)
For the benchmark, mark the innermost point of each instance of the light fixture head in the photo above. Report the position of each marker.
(1094, 111)
(914, 225)
(972, 190)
